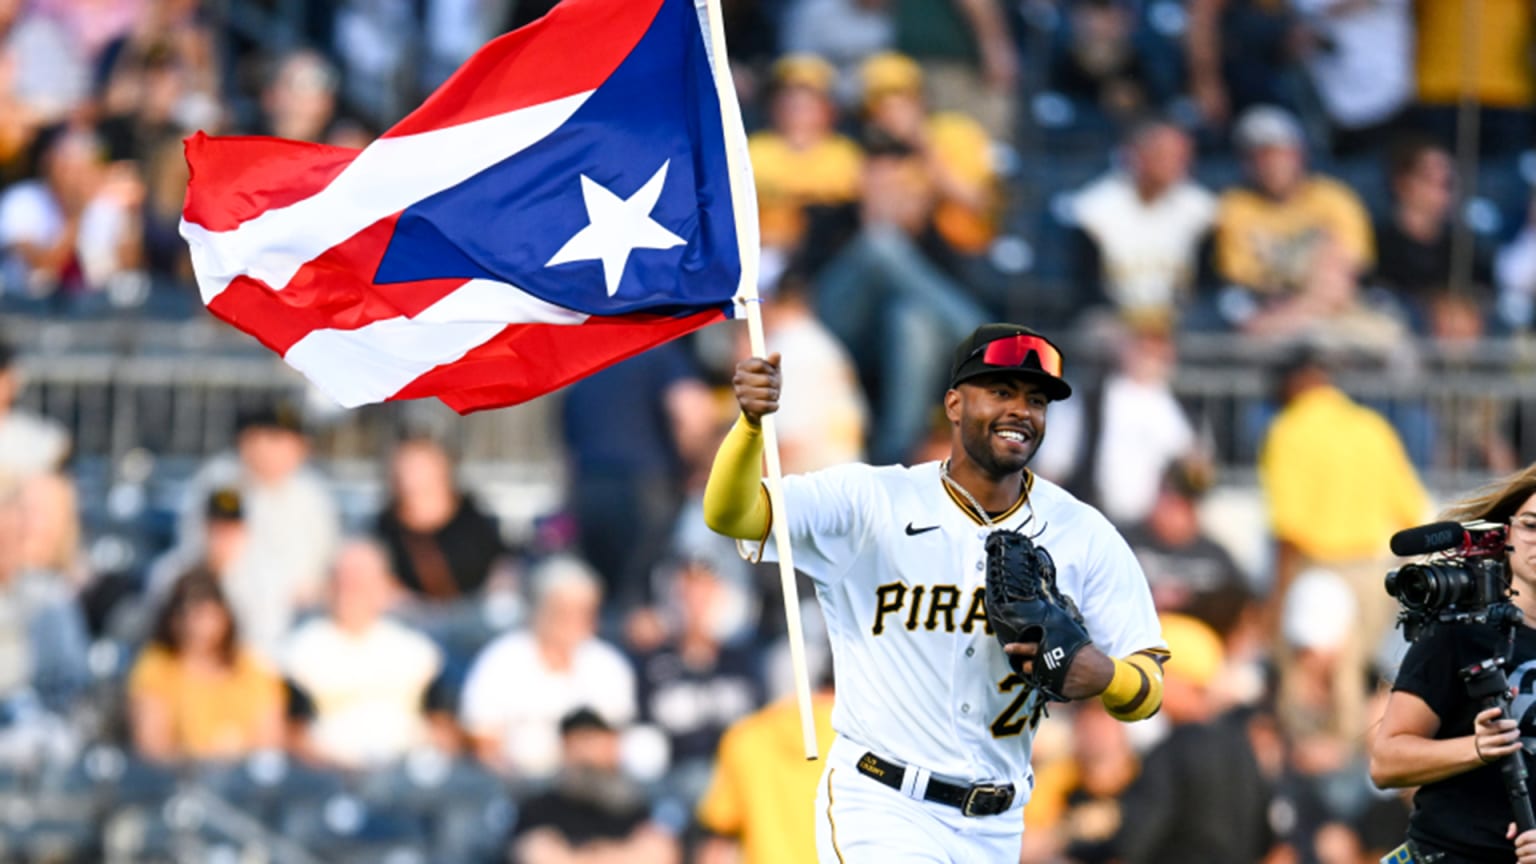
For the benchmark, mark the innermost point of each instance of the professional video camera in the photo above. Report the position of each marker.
(1466, 579)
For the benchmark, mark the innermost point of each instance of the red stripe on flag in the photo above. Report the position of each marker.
(571, 50)
(334, 291)
(525, 361)
(238, 178)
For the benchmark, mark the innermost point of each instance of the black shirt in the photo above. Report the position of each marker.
(1201, 796)
(1199, 579)
(1467, 814)
(692, 705)
(453, 561)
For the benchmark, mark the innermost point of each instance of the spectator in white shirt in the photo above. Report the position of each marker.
(523, 683)
(1143, 226)
(291, 518)
(367, 676)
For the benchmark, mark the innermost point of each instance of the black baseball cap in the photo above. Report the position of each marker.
(1011, 349)
(280, 415)
(583, 719)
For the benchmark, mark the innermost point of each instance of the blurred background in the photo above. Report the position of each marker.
(1289, 247)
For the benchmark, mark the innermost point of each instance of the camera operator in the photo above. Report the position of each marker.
(1435, 736)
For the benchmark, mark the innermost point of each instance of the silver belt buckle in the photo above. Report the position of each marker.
(975, 792)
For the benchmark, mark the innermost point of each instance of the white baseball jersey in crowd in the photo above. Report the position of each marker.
(899, 566)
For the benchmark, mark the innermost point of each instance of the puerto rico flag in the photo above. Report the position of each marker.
(578, 192)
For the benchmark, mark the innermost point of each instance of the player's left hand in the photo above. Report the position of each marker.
(1087, 676)
(1525, 844)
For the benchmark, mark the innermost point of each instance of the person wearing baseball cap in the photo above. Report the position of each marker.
(1273, 233)
(800, 160)
(896, 553)
(1012, 349)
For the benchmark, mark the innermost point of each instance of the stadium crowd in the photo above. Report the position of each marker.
(292, 675)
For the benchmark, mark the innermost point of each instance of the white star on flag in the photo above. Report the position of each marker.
(617, 227)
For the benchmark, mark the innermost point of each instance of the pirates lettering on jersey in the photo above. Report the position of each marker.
(942, 602)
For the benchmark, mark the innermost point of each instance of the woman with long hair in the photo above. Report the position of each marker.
(1435, 736)
(195, 693)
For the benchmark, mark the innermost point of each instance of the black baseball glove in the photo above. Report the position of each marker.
(1024, 605)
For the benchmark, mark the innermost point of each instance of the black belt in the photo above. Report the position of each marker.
(983, 799)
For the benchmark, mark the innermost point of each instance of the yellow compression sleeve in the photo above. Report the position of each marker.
(735, 502)
(1136, 690)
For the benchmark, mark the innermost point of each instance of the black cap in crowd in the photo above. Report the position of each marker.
(583, 719)
(274, 415)
(969, 360)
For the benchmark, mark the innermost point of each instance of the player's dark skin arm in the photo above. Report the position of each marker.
(757, 383)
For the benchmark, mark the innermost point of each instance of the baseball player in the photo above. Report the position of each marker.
(934, 718)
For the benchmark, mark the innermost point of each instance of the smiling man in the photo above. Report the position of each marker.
(934, 718)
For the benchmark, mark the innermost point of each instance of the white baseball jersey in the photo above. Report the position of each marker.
(899, 565)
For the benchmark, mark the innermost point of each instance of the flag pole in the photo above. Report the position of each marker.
(744, 198)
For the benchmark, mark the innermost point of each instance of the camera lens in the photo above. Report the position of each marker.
(1431, 586)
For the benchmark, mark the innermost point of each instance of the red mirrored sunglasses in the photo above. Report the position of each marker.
(1012, 351)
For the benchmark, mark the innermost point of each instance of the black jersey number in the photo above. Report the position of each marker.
(1013, 720)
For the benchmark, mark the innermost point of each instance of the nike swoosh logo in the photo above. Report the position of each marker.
(913, 532)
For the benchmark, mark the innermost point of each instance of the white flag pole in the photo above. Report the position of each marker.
(744, 197)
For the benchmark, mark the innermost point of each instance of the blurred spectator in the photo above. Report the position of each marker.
(195, 692)
(1270, 236)
(1143, 226)
(299, 101)
(1472, 428)
(43, 640)
(244, 573)
(1317, 614)
(823, 415)
(1188, 571)
(1337, 484)
(29, 444)
(441, 544)
(524, 682)
(50, 76)
(634, 431)
(375, 43)
(1112, 444)
(1413, 243)
(897, 312)
(76, 228)
(1360, 56)
(695, 684)
(1074, 812)
(1515, 272)
(949, 151)
(18, 123)
(800, 161)
(592, 812)
(93, 24)
(1481, 52)
(845, 32)
(1240, 54)
(755, 806)
(1098, 63)
(969, 56)
(367, 676)
(291, 520)
(1204, 792)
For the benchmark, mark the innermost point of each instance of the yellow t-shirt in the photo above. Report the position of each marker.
(963, 147)
(764, 790)
(1501, 75)
(213, 718)
(1336, 479)
(788, 180)
(1268, 245)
